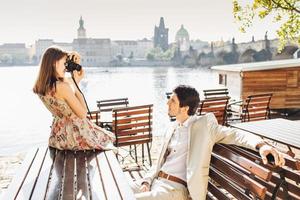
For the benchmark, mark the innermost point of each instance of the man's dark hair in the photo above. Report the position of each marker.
(187, 96)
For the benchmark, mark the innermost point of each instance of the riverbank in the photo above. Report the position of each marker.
(8, 167)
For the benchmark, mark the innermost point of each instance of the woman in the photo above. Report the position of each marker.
(70, 128)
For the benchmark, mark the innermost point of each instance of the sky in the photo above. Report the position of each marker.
(25, 21)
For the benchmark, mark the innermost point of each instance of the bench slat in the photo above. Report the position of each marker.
(216, 191)
(95, 177)
(110, 188)
(239, 178)
(55, 184)
(247, 164)
(43, 179)
(82, 178)
(124, 187)
(31, 178)
(69, 180)
(291, 175)
(220, 179)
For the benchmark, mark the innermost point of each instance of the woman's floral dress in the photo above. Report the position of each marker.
(68, 131)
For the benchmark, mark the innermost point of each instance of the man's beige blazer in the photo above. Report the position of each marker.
(204, 132)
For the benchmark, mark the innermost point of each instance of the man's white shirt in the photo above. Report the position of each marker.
(175, 163)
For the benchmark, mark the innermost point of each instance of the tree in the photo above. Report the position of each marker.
(150, 57)
(285, 12)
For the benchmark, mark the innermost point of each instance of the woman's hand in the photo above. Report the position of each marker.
(76, 57)
(78, 75)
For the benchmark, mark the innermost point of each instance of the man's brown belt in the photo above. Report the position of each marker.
(171, 178)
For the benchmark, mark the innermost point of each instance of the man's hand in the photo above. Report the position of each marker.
(145, 187)
(265, 150)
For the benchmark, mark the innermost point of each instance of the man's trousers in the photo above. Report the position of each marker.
(161, 189)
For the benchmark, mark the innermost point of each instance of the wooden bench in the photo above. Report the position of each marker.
(47, 173)
(238, 172)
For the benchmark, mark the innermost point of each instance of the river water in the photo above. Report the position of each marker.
(25, 122)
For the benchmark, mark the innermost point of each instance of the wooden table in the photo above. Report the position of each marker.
(47, 173)
(280, 130)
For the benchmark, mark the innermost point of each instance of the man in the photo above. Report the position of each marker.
(183, 165)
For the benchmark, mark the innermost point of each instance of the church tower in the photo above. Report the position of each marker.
(161, 35)
(182, 39)
(81, 33)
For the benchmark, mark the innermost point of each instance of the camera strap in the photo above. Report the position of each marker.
(82, 95)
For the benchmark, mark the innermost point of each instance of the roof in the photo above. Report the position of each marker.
(182, 32)
(256, 66)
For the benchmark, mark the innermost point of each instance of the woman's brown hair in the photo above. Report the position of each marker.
(46, 80)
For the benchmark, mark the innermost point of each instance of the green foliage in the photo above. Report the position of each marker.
(150, 57)
(158, 54)
(285, 12)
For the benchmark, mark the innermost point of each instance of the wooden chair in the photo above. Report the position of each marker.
(256, 107)
(217, 106)
(214, 93)
(133, 126)
(239, 172)
(107, 105)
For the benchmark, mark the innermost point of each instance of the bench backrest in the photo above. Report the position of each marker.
(217, 106)
(240, 172)
(132, 125)
(288, 176)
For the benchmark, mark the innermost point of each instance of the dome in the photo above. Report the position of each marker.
(182, 33)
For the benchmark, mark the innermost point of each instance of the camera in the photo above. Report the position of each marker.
(71, 65)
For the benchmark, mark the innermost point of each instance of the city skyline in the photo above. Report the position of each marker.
(26, 22)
